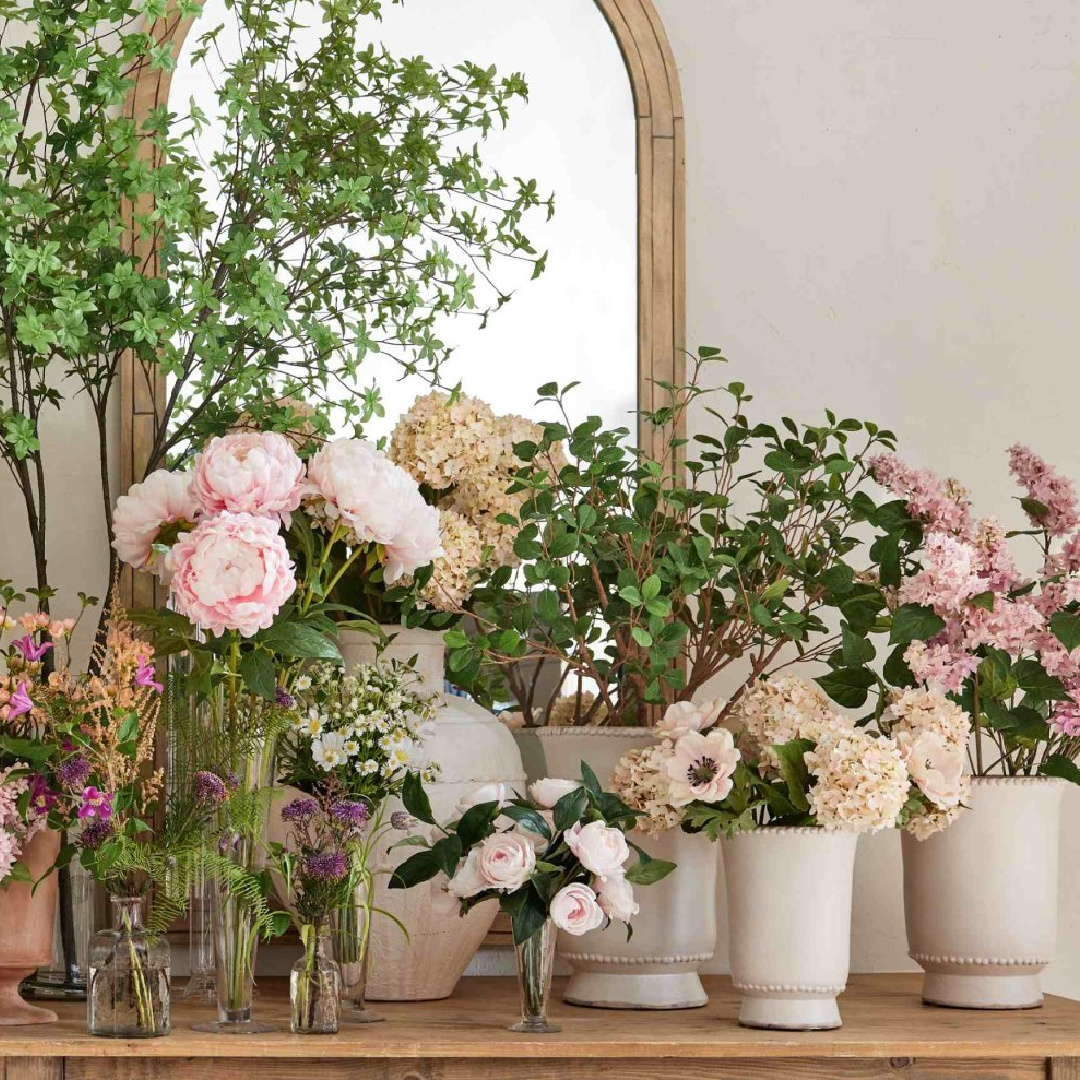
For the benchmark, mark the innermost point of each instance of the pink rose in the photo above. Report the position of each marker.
(935, 765)
(701, 767)
(163, 498)
(505, 861)
(598, 847)
(417, 542)
(233, 572)
(253, 472)
(616, 898)
(359, 487)
(684, 716)
(547, 792)
(467, 881)
(574, 909)
(494, 792)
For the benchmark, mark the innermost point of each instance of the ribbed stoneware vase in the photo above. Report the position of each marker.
(789, 919)
(675, 931)
(471, 748)
(980, 897)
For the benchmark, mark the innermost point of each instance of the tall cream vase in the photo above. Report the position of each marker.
(471, 748)
(675, 931)
(980, 897)
(789, 919)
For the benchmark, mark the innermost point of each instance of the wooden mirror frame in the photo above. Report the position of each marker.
(661, 170)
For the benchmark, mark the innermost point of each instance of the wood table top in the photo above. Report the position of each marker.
(883, 1018)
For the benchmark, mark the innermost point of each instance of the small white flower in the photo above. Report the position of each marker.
(329, 751)
(303, 682)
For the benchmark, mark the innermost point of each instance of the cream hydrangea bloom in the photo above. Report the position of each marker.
(641, 780)
(452, 573)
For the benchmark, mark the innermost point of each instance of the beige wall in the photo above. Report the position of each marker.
(881, 217)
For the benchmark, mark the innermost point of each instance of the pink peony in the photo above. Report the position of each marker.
(233, 572)
(575, 910)
(253, 472)
(417, 542)
(505, 861)
(683, 716)
(598, 847)
(701, 767)
(359, 487)
(163, 498)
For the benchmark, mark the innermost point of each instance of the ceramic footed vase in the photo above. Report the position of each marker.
(27, 917)
(471, 748)
(980, 897)
(675, 931)
(789, 917)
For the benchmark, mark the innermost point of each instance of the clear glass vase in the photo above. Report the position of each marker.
(535, 963)
(315, 985)
(128, 988)
(350, 929)
(235, 928)
(201, 985)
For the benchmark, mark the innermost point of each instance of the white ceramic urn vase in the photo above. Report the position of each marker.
(789, 919)
(980, 897)
(471, 748)
(675, 931)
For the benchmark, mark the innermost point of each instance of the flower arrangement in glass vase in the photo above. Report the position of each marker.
(645, 577)
(251, 541)
(355, 739)
(557, 860)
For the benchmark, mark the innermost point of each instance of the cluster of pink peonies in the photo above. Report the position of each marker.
(971, 581)
(215, 532)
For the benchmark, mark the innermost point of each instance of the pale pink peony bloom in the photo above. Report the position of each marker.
(616, 896)
(253, 472)
(684, 716)
(935, 764)
(701, 767)
(575, 910)
(547, 792)
(163, 498)
(359, 487)
(417, 541)
(598, 847)
(505, 861)
(467, 881)
(233, 572)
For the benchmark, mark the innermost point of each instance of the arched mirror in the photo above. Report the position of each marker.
(601, 129)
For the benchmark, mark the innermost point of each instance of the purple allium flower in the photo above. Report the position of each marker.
(326, 866)
(209, 788)
(355, 814)
(73, 773)
(95, 833)
(302, 809)
(232, 781)
(402, 819)
(285, 699)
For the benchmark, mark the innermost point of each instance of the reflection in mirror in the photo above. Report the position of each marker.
(575, 134)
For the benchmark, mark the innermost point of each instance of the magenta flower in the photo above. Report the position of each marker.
(95, 804)
(144, 676)
(31, 651)
(20, 702)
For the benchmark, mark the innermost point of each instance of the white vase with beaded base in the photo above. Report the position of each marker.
(789, 919)
(980, 897)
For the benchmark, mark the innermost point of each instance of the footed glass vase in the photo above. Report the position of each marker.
(315, 985)
(350, 936)
(128, 987)
(535, 963)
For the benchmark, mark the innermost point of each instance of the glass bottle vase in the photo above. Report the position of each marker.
(315, 985)
(535, 962)
(350, 938)
(128, 987)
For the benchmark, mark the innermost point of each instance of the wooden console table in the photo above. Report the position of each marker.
(887, 1033)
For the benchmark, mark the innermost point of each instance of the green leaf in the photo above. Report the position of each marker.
(296, 639)
(1065, 626)
(647, 873)
(1033, 679)
(588, 779)
(570, 809)
(984, 600)
(855, 649)
(641, 636)
(129, 729)
(794, 772)
(1062, 766)
(896, 671)
(259, 674)
(847, 686)
(529, 819)
(422, 866)
(447, 853)
(476, 823)
(416, 799)
(529, 915)
(1036, 510)
(914, 622)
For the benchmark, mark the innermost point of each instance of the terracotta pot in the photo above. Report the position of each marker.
(675, 931)
(27, 919)
(472, 748)
(789, 919)
(980, 897)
